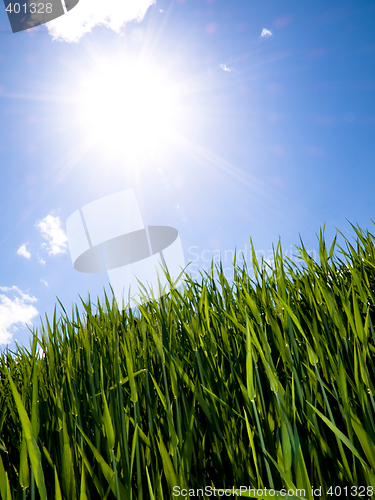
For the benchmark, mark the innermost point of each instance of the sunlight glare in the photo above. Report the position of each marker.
(123, 105)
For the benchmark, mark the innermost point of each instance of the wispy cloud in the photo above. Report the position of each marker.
(265, 33)
(51, 230)
(224, 67)
(23, 251)
(87, 14)
(44, 282)
(15, 309)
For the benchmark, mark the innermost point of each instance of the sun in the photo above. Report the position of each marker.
(122, 104)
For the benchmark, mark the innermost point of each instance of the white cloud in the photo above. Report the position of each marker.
(265, 33)
(15, 308)
(23, 251)
(113, 14)
(224, 67)
(51, 230)
(44, 282)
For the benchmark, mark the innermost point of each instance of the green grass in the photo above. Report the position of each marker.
(264, 383)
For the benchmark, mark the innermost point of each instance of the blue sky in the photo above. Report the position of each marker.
(270, 133)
